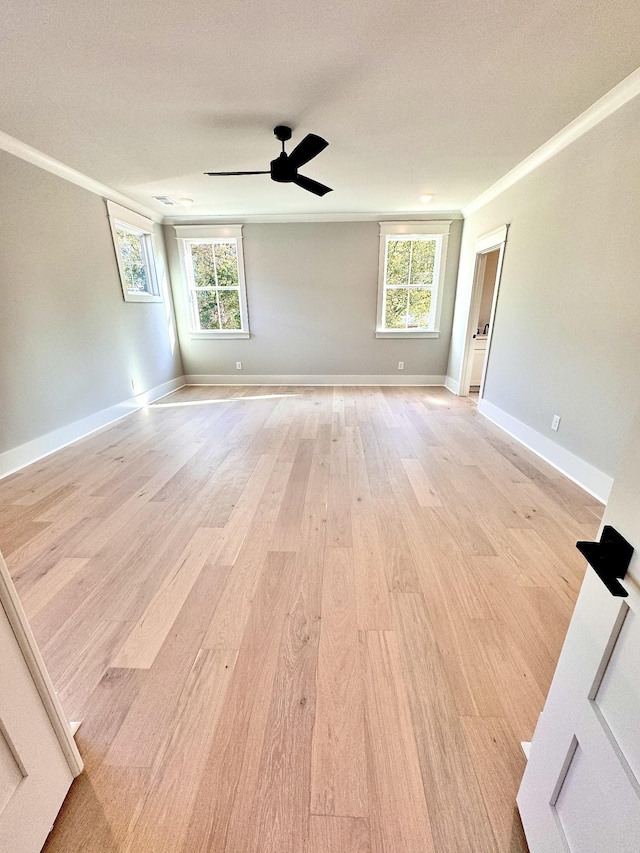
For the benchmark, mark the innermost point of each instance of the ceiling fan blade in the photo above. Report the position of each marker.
(215, 174)
(306, 150)
(312, 186)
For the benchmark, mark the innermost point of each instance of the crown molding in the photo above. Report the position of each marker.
(608, 104)
(38, 158)
(617, 97)
(276, 218)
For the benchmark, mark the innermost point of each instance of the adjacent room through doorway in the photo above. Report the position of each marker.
(484, 320)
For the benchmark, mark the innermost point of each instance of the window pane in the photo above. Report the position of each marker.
(230, 309)
(207, 309)
(396, 309)
(203, 267)
(422, 261)
(132, 259)
(226, 264)
(419, 308)
(398, 261)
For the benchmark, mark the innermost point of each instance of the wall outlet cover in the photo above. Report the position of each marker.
(238, 365)
(401, 365)
(555, 423)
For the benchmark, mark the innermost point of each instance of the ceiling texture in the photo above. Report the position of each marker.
(414, 96)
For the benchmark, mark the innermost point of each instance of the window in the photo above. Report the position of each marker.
(412, 261)
(214, 270)
(135, 254)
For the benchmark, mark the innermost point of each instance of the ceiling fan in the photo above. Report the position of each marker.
(284, 169)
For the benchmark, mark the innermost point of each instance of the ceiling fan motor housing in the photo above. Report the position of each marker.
(282, 132)
(282, 171)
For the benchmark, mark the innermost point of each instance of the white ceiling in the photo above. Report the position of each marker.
(414, 96)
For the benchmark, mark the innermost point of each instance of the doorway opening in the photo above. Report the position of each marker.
(483, 322)
(484, 297)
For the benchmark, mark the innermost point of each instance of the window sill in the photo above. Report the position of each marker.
(231, 335)
(405, 333)
(142, 297)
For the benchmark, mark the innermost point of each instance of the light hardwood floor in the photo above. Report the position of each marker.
(297, 620)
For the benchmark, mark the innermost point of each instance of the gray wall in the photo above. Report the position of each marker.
(70, 344)
(567, 328)
(312, 294)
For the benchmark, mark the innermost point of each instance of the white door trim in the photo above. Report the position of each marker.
(20, 626)
(496, 239)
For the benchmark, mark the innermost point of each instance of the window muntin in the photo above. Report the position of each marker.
(213, 275)
(411, 274)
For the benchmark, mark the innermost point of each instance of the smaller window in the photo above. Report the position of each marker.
(135, 253)
(214, 271)
(411, 273)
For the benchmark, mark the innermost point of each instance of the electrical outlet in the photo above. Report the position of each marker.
(133, 384)
(555, 423)
(238, 365)
(401, 365)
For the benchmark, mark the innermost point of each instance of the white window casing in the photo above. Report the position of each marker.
(433, 230)
(188, 235)
(124, 220)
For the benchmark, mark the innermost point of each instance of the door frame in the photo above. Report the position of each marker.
(12, 606)
(494, 240)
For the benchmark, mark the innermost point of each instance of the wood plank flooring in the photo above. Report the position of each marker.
(297, 620)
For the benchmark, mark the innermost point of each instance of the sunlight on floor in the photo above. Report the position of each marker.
(224, 400)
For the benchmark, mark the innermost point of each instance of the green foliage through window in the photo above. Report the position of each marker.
(133, 261)
(398, 259)
(207, 301)
(409, 273)
(226, 264)
(419, 308)
(215, 267)
(423, 256)
(396, 313)
(229, 301)
(204, 270)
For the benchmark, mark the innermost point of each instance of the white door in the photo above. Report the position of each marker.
(581, 788)
(38, 758)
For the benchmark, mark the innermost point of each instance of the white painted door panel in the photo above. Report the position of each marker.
(581, 788)
(618, 697)
(35, 772)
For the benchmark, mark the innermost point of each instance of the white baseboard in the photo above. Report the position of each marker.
(25, 454)
(591, 479)
(452, 385)
(312, 379)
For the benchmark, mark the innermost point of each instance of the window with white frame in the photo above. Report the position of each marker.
(214, 270)
(134, 245)
(412, 261)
